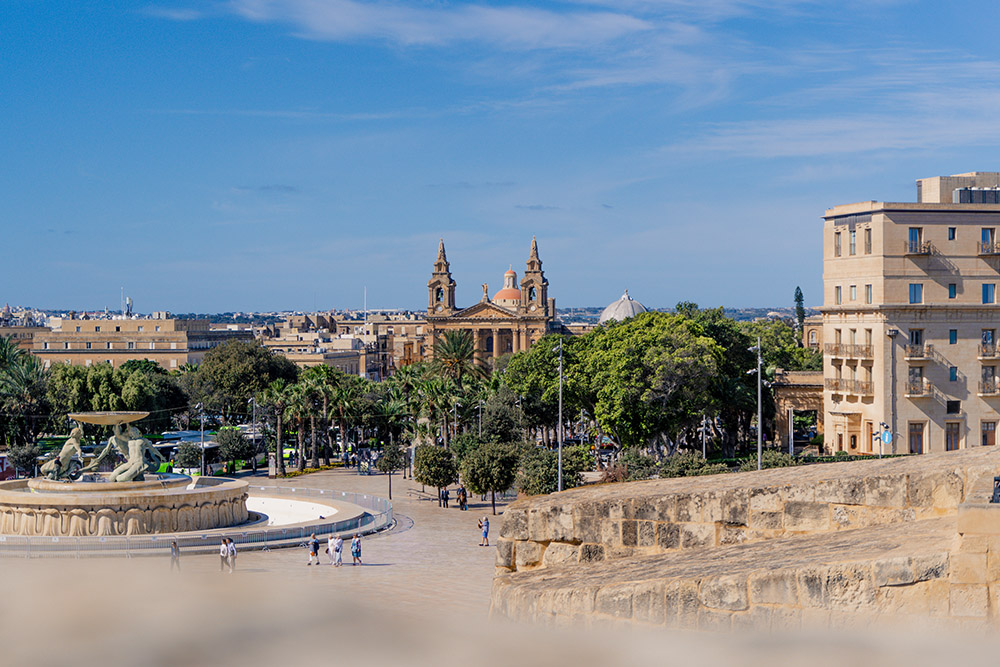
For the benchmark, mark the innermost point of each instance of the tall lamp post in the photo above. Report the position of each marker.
(201, 418)
(760, 424)
(560, 432)
(253, 461)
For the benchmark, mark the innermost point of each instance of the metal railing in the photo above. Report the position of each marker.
(918, 351)
(989, 387)
(849, 350)
(918, 388)
(378, 516)
(917, 247)
(989, 248)
(987, 350)
(861, 387)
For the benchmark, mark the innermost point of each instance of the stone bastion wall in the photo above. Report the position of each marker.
(825, 544)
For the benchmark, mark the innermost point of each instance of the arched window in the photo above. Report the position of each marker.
(532, 294)
(812, 337)
(439, 294)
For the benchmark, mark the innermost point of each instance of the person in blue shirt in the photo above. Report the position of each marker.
(484, 523)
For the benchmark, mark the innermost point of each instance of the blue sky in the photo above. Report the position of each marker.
(286, 154)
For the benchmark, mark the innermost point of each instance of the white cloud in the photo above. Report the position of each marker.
(506, 26)
(174, 13)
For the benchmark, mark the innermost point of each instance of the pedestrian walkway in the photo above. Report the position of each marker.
(431, 557)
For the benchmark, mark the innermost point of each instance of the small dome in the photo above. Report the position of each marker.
(508, 294)
(622, 309)
(510, 272)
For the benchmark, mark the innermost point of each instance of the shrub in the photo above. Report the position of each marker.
(769, 458)
(690, 464)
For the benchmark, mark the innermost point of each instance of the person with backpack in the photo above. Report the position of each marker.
(463, 499)
(313, 549)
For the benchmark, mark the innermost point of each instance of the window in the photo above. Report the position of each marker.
(836, 336)
(952, 290)
(989, 234)
(836, 295)
(916, 437)
(988, 434)
(97, 329)
(836, 244)
(173, 346)
(951, 233)
(916, 293)
(868, 241)
(952, 336)
(156, 328)
(868, 336)
(953, 407)
(108, 344)
(118, 328)
(45, 346)
(916, 336)
(989, 292)
(78, 329)
(916, 238)
(152, 346)
(854, 292)
(852, 237)
(173, 363)
(89, 345)
(131, 345)
(952, 432)
(140, 329)
(868, 293)
(989, 335)
(953, 373)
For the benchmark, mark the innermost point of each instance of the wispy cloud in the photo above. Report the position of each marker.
(174, 13)
(536, 207)
(510, 26)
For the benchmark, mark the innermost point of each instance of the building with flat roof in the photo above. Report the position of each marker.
(910, 319)
(169, 342)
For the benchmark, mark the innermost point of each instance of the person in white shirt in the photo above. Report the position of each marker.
(223, 555)
(338, 549)
(232, 555)
(331, 547)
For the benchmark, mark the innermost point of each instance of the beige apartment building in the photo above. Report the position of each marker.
(911, 317)
(169, 342)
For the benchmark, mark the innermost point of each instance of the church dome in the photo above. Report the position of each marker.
(622, 309)
(510, 295)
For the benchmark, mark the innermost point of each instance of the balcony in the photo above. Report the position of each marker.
(918, 352)
(917, 248)
(987, 351)
(844, 386)
(836, 384)
(989, 248)
(918, 388)
(989, 387)
(846, 351)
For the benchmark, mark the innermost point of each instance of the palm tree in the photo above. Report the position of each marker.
(326, 380)
(298, 408)
(455, 357)
(276, 396)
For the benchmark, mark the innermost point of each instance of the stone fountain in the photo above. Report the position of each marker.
(72, 499)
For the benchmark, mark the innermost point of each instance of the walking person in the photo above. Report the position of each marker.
(338, 550)
(232, 555)
(444, 496)
(331, 548)
(356, 549)
(484, 523)
(313, 549)
(175, 556)
(463, 499)
(223, 555)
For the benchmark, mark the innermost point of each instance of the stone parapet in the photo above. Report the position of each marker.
(617, 521)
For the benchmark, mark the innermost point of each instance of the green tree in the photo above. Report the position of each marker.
(188, 455)
(233, 445)
(539, 473)
(23, 457)
(502, 419)
(391, 460)
(489, 468)
(691, 464)
(800, 312)
(780, 346)
(455, 357)
(275, 398)
(434, 466)
(23, 398)
(462, 445)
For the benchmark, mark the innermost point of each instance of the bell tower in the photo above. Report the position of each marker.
(441, 286)
(534, 286)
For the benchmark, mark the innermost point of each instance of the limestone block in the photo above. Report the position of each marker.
(715, 621)
(587, 527)
(756, 619)
(774, 587)
(515, 525)
(711, 508)
(505, 553)
(766, 520)
(560, 553)
(814, 619)
(885, 491)
(630, 533)
(893, 571)
(647, 533)
(993, 568)
(689, 508)
(732, 534)
(974, 544)
(786, 619)
(811, 584)
(538, 525)
(620, 508)
(766, 500)
(912, 599)
(979, 520)
(968, 568)
(668, 536)
(798, 493)
(694, 535)
(847, 491)
(935, 489)
(688, 603)
(644, 509)
(611, 533)
(727, 592)
(736, 507)
(614, 600)
(938, 596)
(574, 601)
(671, 602)
(807, 517)
(666, 508)
(931, 566)
(591, 553)
(561, 525)
(970, 600)
(849, 587)
(527, 555)
(648, 602)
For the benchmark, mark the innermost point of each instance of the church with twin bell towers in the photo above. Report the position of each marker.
(512, 320)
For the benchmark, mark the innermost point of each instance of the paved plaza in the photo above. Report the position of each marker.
(432, 556)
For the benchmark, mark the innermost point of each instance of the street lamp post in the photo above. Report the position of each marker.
(201, 418)
(760, 425)
(253, 461)
(454, 411)
(560, 433)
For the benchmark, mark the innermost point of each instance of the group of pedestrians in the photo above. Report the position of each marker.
(335, 549)
(462, 496)
(227, 555)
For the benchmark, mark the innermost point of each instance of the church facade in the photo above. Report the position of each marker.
(511, 321)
